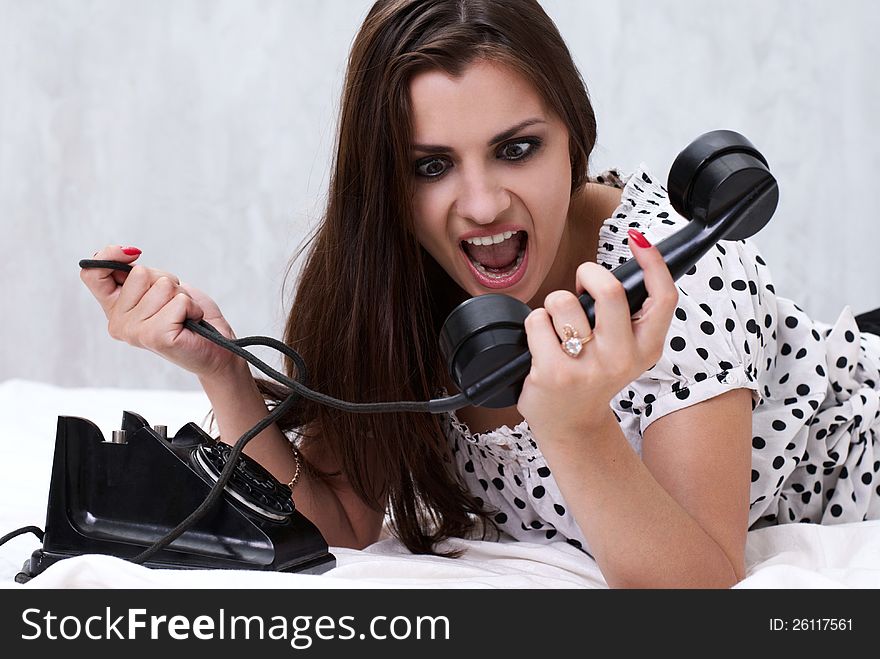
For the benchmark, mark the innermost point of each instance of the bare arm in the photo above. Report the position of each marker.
(147, 308)
(343, 519)
(676, 520)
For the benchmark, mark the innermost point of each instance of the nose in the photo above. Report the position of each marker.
(482, 197)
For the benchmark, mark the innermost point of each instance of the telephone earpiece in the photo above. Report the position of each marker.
(720, 182)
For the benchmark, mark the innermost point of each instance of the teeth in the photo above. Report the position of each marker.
(491, 240)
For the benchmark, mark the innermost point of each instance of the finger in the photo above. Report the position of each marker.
(139, 281)
(104, 283)
(542, 339)
(206, 303)
(656, 312)
(612, 316)
(566, 310)
(165, 328)
(157, 296)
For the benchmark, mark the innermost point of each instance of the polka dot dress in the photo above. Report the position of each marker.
(815, 390)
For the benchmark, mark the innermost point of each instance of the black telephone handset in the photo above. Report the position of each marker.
(720, 182)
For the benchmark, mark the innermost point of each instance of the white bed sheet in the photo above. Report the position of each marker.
(787, 556)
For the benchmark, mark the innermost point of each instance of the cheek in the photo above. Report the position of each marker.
(549, 196)
(428, 218)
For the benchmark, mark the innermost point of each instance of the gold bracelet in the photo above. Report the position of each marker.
(297, 457)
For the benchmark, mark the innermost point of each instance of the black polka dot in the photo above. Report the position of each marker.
(559, 509)
(677, 343)
(501, 518)
(498, 483)
(519, 503)
(716, 283)
(778, 461)
(543, 472)
(707, 327)
(836, 510)
(538, 491)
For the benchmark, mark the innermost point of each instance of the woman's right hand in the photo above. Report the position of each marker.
(147, 308)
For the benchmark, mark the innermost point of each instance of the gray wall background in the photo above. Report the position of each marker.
(201, 131)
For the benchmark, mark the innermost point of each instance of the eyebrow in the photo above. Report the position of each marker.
(500, 137)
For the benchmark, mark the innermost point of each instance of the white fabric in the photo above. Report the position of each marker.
(787, 556)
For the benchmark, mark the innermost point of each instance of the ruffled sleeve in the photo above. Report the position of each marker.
(719, 335)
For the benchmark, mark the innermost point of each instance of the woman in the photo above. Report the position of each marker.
(651, 444)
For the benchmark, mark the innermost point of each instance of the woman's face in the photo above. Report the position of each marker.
(491, 165)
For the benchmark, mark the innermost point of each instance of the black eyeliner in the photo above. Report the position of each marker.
(535, 142)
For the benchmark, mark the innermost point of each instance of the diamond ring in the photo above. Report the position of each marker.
(572, 344)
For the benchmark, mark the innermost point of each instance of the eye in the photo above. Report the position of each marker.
(431, 168)
(521, 150)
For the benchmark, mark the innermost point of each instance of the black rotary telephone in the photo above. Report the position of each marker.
(127, 496)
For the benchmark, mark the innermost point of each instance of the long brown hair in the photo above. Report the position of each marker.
(370, 301)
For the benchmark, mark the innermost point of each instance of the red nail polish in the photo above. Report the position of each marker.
(639, 238)
(131, 251)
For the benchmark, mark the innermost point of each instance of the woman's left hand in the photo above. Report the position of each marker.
(564, 398)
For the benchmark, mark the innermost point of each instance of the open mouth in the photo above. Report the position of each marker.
(499, 264)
